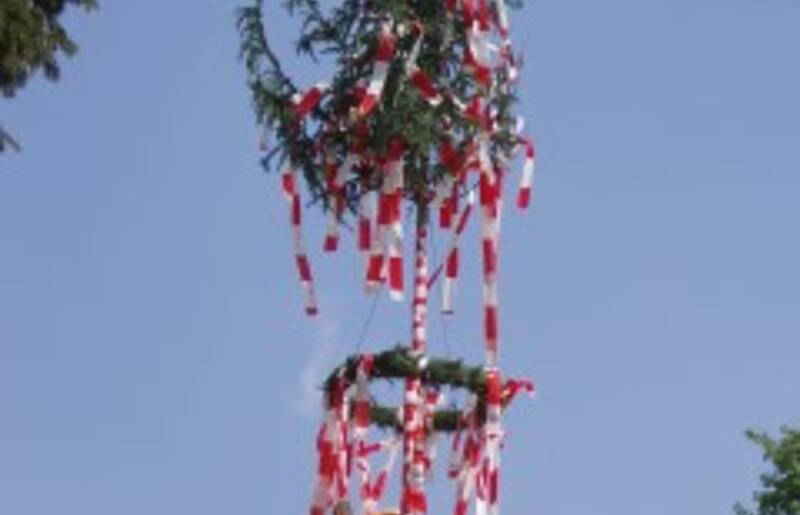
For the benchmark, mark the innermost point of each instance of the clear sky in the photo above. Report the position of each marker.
(153, 354)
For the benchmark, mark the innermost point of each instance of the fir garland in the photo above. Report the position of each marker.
(400, 363)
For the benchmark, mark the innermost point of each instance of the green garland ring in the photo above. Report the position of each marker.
(401, 363)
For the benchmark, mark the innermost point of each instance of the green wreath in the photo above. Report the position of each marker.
(401, 363)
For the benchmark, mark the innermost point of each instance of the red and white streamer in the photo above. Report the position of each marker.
(384, 53)
(467, 472)
(494, 435)
(304, 103)
(526, 181)
(336, 178)
(413, 499)
(394, 198)
(425, 85)
(292, 194)
(452, 263)
(477, 57)
(513, 387)
(333, 452)
(490, 192)
(377, 252)
(373, 492)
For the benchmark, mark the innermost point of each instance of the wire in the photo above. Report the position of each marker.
(368, 320)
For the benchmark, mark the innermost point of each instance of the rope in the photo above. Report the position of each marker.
(368, 320)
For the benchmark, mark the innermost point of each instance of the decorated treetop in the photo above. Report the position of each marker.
(429, 82)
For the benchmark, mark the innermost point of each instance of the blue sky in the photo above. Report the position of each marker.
(153, 354)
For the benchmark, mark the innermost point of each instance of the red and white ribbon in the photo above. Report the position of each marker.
(377, 258)
(477, 53)
(467, 475)
(362, 398)
(304, 103)
(373, 491)
(513, 387)
(452, 261)
(336, 178)
(384, 53)
(433, 399)
(526, 181)
(292, 194)
(494, 434)
(393, 182)
(389, 231)
(413, 498)
(489, 197)
(425, 85)
(502, 18)
(333, 452)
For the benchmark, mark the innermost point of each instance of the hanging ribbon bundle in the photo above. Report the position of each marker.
(417, 114)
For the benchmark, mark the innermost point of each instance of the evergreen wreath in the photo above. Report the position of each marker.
(400, 363)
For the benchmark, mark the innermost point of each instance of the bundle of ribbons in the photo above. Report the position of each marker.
(417, 114)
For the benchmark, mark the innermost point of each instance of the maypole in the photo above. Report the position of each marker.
(418, 114)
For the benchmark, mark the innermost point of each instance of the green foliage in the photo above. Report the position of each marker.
(32, 38)
(781, 486)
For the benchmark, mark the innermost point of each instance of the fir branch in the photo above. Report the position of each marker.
(32, 38)
(255, 45)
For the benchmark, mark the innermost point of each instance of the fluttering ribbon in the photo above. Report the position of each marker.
(426, 87)
(292, 194)
(493, 434)
(333, 453)
(490, 193)
(452, 260)
(373, 491)
(384, 52)
(304, 103)
(526, 180)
